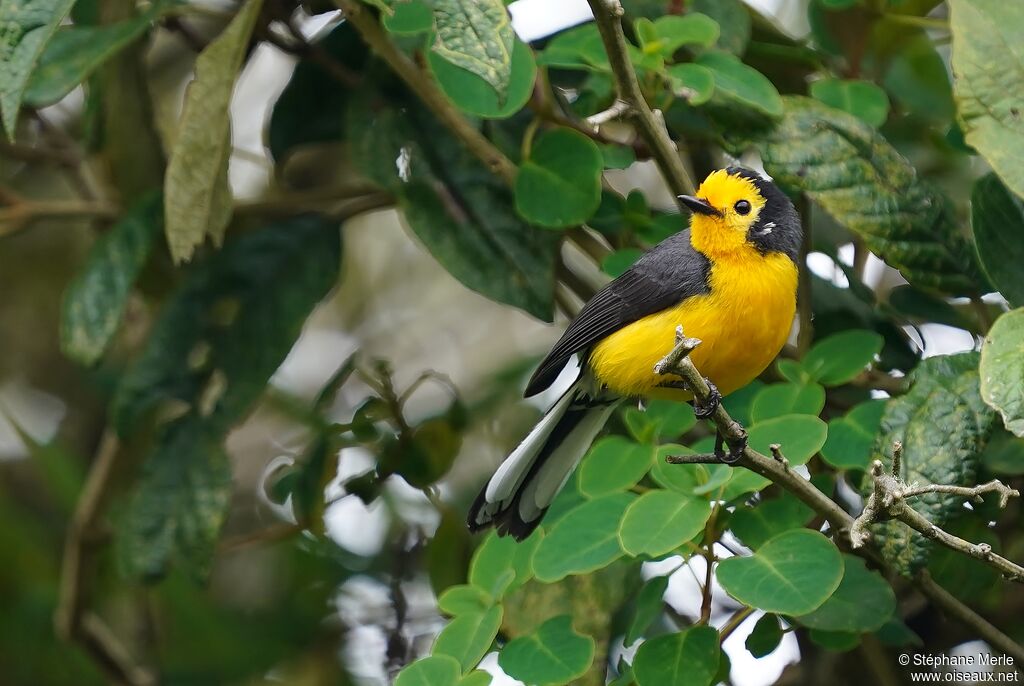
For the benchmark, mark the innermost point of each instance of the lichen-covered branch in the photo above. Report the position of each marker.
(888, 500)
(608, 15)
(677, 363)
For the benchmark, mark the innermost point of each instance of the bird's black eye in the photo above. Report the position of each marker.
(742, 206)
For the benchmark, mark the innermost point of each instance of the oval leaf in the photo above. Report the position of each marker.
(1002, 370)
(779, 399)
(553, 654)
(841, 357)
(472, 94)
(793, 573)
(660, 521)
(687, 658)
(560, 184)
(862, 99)
(863, 602)
(436, 670)
(468, 637)
(585, 539)
(476, 35)
(614, 464)
(997, 219)
(741, 83)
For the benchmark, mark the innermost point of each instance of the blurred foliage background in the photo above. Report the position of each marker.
(274, 276)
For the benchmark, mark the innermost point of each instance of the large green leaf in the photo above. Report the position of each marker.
(852, 437)
(472, 94)
(435, 670)
(96, 298)
(584, 540)
(614, 463)
(841, 357)
(75, 52)
(468, 637)
(553, 654)
(862, 99)
(649, 604)
(311, 109)
(660, 521)
(461, 212)
(801, 437)
(501, 564)
(733, 18)
(863, 602)
(742, 84)
(757, 525)
(997, 219)
(477, 36)
(944, 426)
(1002, 369)
(197, 197)
(779, 399)
(207, 360)
(793, 573)
(559, 184)
(849, 169)
(686, 658)
(25, 28)
(988, 62)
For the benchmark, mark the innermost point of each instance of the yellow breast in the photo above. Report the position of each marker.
(743, 323)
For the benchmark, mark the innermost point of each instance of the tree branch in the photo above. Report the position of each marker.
(678, 363)
(888, 500)
(374, 36)
(608, 15)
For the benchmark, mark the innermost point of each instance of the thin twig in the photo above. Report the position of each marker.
(888, 500)
(608, 16)
(734, 622)
(618, 109)
(72, 620)
(679, 364)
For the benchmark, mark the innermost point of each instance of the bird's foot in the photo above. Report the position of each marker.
(736, 449)
(706, 409)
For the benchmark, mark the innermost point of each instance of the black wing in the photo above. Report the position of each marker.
(671, 272)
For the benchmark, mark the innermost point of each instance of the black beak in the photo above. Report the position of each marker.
(699, 205)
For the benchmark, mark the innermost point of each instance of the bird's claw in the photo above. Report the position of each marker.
(735, 450)
(706, 409)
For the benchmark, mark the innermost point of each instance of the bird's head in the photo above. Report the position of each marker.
(736, 209)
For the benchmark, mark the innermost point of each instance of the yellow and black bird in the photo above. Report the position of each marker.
(729, 280)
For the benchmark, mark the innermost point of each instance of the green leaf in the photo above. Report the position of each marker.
(616, 263)
(660, 521)
(733, 18)
(801, 437)
(409, 18)
(988, 61)
(839, 641)
(765, 637)
(311, 109)
(674, 31)
(757, 525)
(852, 437)
(476, 678)
(560, 184)
(501, 564)
(461, 212)
(553, 654)
(739, 403)
(895, 633)
(779, 399)
(464, 599)
(997, 219)
(659, 419)
(208, 358)
(687, 658)
(197, 196)
(614, 463)
(617, 156)
(842, 356)
(1004, 454)
(584, 540)
(741, 83)
(694, 83)
(649, 604)
(862, 99)
(1002, 370)
(852, 172)
(792, 371)
(477, 36)
(436, 670)
(468, 637)
(863, 602)
(578, 48)
(28, 26)
(684, 478)
(95, 300)
(943, 425)
(793, 573)
(75, 52)
(472, 94)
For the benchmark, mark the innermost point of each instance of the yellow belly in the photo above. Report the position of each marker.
(743, 323)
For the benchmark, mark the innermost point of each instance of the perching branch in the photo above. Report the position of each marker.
(888, 500)
(18, 213)
(608, 16)
(678, 363)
